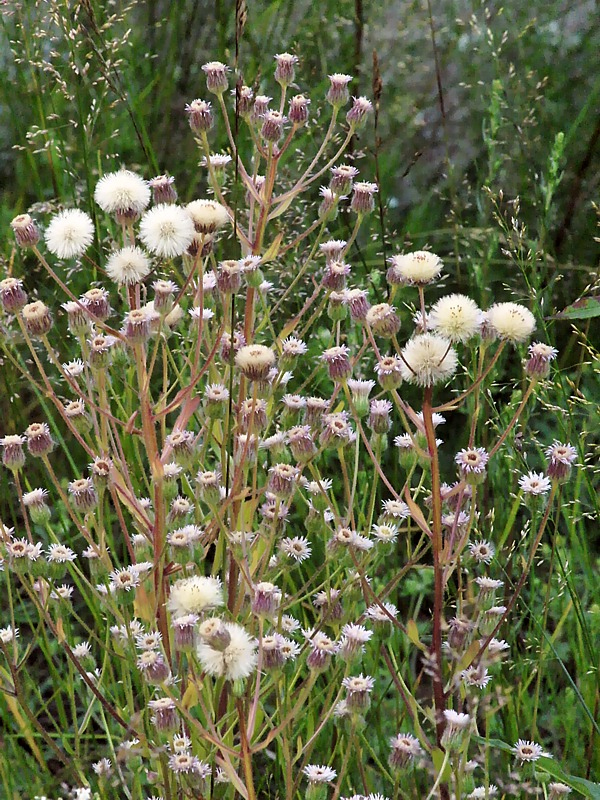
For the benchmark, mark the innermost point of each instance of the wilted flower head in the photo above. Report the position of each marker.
(200, 115)
(216, 76)
(540, 356)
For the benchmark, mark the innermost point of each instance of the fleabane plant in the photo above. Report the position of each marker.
(223, 576)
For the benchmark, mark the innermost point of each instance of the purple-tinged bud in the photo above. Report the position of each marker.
(379, 416)
(315, 408)
(357, 116)
(153, 666)
(200, 116)
(267, 599)
(26, 231)
(244, 100)
(253, 415)
(244, 448)
(329, 604)
(83, 494)
(301, 443)
(338, 94)
(459, 629)
(342, 178)
(163, 190)
(13, 455)
(405, 749)
(561, 458)
(383, 320)
(298, 111)
(164, 717)
(358, 304)
(272, 128)
(273, 657)
(358, 691)
(39, 441)
(333, 250)
(283, 479)
(260, 107)
(163, 296)
(184, 632)
(363, 201)
(229, 277)
(216, 77)
(137, 326)
(322, 649)
(285, 70)
(12, 295)
(259, 183)
(338, 362)
(335, 275)
(540, 356)
(97, 303)
(239, 341)
(37, 318)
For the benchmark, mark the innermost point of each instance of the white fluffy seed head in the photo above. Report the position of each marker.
(456, 317)
(69, 233)
(167, 230)
(430, 359)
(128, 266)
(207, 215)
(122, 193)
(511, 321)
(238, 660)
(419, 267)
(195, 594)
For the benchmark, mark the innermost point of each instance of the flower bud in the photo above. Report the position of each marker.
(298, 110)
(357, 116)
(163, 190)
(216, 77)
(26, 231)
(338, 94)
(37, 318)
(200, 116)
(39, 441)
(272, 127)
(284, 71)
(12, 295)
(13, 455)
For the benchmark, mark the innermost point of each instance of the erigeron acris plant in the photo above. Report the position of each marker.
(223, 538)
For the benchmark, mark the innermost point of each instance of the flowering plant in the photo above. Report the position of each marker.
(226, 567)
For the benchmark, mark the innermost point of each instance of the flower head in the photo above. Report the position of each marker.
(237, 660)
(428, 359)
(456, 317)
(69, 233)
(123, 194)
(511, 321)
(528, 751)
(128, 265)
(167, 230)
(195, 594)
(420, 267)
